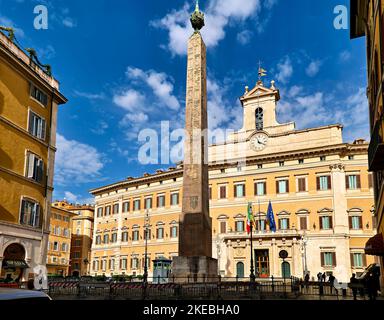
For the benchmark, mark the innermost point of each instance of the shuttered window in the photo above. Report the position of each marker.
(36, 125)
(39, 95)
(323, 183)
(303, 223)
(223, 192)
(35, 168)
(239, 190)
(301, 184)
(358, 260)
(136, 205)
(328, 259)
(116, 208)
(160, 233)
(355, 222)
(282, 186)
(30, 213)
(161, 201)
(174, 199)
(370, 179)
(353, 182)
(326, 223)
(126, 206)
(260, 188)
(148, 203)
(223, 227)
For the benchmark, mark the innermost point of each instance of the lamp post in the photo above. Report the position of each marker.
(252, 275)
(145, 276)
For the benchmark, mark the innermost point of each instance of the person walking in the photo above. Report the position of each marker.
(353, 285)
(323, 277)
(371, 286)
(319, 277)
(331, 281)
(306, 281)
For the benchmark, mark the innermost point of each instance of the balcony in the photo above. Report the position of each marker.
(263, 234)
(376, 148)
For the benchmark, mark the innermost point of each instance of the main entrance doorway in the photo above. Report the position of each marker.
(262, 263)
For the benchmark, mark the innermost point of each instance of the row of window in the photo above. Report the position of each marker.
(135, 235)
(56, 246)
(328, 259)
(148, 204)
(58, 231)
(57, 260)
(135, 263)
(60, 217)
(323, 183)
(325, 223)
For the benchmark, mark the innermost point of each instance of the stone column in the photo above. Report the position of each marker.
(340, 216)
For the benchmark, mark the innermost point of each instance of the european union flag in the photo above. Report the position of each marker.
(271, 218)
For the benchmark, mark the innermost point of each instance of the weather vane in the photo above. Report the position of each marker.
(262, 72)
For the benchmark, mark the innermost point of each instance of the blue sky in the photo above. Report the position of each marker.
(122, 65)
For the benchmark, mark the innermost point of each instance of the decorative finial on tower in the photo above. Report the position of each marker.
(197, 18)
(273, 85)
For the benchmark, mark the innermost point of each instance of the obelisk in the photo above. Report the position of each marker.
(195, 260)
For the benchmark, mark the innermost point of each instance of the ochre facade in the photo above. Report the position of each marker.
(367, 18)
(29, 99)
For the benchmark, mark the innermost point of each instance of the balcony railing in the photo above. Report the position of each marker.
(376, 148)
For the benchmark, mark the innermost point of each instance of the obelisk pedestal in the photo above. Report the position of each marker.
(195, 262)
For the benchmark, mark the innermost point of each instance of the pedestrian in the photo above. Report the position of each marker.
(353, 285)
(323, 277)
(331, 281)
(306, 281)
(319, 277)
(372, 288)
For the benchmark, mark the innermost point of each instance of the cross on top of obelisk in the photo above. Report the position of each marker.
(197, 18)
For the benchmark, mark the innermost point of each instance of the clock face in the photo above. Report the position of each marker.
(259, 141)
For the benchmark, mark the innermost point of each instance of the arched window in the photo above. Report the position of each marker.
(259, 117)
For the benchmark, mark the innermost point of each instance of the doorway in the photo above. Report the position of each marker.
(262, 263)
(240, 270)
(285, 270)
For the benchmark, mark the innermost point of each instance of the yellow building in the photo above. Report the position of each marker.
(320, 189)
(367, 18)
(29, 99)
(59, 241)
(82, 233)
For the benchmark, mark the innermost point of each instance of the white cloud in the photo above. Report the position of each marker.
(76, 162)
(102, 126)
(138, 117)
(160, 84)
(313, 68)
(344, 56)
(90, 96)
(69, 22)
(318, 109)
(48, 52)
(70, 196)
(285, 70)
(129, 100)
(76, 199)
(294, 91)
(6, 22)
(218, 15)
(244, 37)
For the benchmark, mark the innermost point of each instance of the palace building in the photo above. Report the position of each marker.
(29, 100)
(319, 187)
(367, 19)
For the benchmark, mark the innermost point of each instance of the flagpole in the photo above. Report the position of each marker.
(259, 218)
(252, 275)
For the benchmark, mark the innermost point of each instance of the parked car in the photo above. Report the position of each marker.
(11, 294)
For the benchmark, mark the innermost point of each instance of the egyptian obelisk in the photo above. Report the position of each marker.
(195, 239)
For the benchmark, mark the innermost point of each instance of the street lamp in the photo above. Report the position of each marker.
(145, 276)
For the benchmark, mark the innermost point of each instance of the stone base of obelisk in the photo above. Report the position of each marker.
(194, 270)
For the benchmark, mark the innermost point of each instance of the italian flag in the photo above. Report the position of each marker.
(250, 218)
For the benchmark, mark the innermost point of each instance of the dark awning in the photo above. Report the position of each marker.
(15, 264)
(375, 246)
